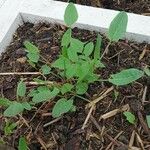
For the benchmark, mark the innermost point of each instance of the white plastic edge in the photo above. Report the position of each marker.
(14, 13)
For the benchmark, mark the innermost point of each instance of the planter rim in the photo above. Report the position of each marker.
(13, 14)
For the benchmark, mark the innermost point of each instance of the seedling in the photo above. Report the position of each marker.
(22, 144)
(130, 117)
(76, 68)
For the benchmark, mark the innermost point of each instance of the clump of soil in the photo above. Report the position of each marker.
(68, 132)
(135, 6)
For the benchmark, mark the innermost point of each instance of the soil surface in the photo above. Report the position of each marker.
(135, 6)
(67, 132)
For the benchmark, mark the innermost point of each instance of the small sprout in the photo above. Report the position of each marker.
(126, 76)
(118, 27)
(66, 88)
(71, 15)
(22, 144)
(62, 106)
(45, 69)
(9, 128)
(116, 94)
(21, 89)
(148, 120)
(130, 117)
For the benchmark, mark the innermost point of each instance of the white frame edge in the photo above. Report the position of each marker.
(13, 14)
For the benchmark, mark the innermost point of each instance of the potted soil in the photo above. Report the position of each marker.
(64, 88)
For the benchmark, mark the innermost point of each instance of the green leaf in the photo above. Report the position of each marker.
(71, 14)
(83, 70)
(97, 47)
(26, 106)
(30, 47)
(14, 109)
(45, 69)
(91, 77)
(81, 88)
(5, 102)
(118, 27)
(45, 95)
(126, 76)
(130, 117)
(66, 88)
(88, 49)
(9, 127)
(33, 52)
(73, 56)
(66, 38)
(76, 45)
(70, 70)
(33, 57)
(60, 63)
(99, 64)
(147, 71)
(21, 89)
(22, 144)
(62, 106)
(148, 120)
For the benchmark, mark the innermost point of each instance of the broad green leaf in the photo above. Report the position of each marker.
(130, 117)
(147, 71)
(39, 81)
(83, 70)
(126, 76)
(33, 57)
(33, 52)
(88, 49)
(60, 63)
(66, 88)
(62, 106)
(91, 77)
(71, 14)
(118, 27)
(148, 120)
(9, 127)
(99, 64)
(26, 106)
(22, 144)
(70, 70)
(21, 89)
(81, 88)
(5, 102)
(30, 47)
(97, 47)
(42, 88)
(76, 45)
(45, 69)
(14, 109)
(66, 38)
(32, 93)
(72, 54)
(45, 95)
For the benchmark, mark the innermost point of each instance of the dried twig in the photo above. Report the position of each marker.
(100, 98)
(132, 139)
(19, 73)
(88, 117)
(51, 122)
(140, 141)
(115, 111)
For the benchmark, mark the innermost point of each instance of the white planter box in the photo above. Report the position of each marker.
(14, 12)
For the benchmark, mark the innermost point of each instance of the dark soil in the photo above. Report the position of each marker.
(66, 132)
(135, 6)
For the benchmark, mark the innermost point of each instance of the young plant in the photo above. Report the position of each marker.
(130, 117)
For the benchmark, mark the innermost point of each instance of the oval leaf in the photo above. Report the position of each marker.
(71, 14)
(126, 76)
(13, 110)
(118, 27)
(81, 88)
(130, 117)
(22, 144)
(62, 106)
(88, 49)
